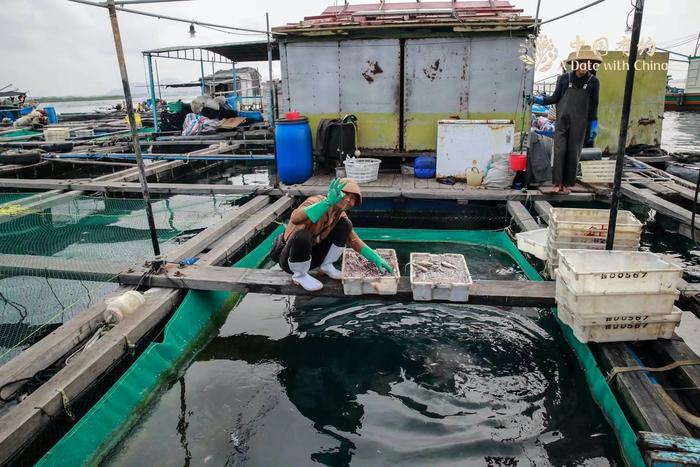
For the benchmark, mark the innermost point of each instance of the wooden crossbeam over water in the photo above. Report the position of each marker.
(485, 292)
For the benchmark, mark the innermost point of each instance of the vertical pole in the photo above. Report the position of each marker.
(134, 134)
(269, 69)
(624, 121)
(235, 88)
(155, 62)
(201, 69)
(152, 88)
(273, 173)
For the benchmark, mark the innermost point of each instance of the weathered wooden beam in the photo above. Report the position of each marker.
(228, 245)
(649, 411)
(113, 185)
(209, 235)
(664, 442)
(198, 277)
(671, 459)
(543, 209)
(521, 216)
(25, 420)
(664, 207)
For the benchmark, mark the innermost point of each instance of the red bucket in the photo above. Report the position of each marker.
(518, 161)
(294, 115)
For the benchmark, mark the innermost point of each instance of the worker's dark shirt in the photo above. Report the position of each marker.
(592, 89)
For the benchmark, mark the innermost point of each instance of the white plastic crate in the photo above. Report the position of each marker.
(359, 285)
(597, 171)
(85, 133)
(56, 134)
(614, 304)
(602, 271)
(622, 329)
(533, 242)
(427, 290)
(362, 169)
(592, 222)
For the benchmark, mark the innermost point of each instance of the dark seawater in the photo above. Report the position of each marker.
(361, 382)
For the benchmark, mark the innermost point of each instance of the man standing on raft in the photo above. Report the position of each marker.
(576, 96)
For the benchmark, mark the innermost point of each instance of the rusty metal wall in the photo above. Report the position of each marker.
(495, 74)
(311, 76)
(437, 75)
(369, 75)
(473, 77)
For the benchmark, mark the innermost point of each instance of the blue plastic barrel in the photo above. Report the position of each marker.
(295, 163)
(51, 114)
(424, 167)
(26, 110)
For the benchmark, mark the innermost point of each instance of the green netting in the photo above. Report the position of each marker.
(103, 426)
(11, 197)
(90, 228)
(109, 420)
(16, 134)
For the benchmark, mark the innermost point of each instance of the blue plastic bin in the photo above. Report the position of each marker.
(51, 114)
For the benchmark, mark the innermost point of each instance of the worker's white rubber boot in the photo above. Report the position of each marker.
(332, 256)
(300, 276)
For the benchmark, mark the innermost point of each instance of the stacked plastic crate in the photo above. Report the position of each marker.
(610, 296)
(573, 228)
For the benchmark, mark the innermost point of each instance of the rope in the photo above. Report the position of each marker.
(683, 414)
(628, 369)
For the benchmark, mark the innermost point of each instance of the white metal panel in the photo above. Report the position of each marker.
(436, 75)
(693, 81)
(495, 75)
(312, 76)
(369, 75)
(463, 144)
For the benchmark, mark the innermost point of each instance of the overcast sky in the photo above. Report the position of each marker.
(55, 47)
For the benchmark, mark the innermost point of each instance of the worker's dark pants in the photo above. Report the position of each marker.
(300, 247)
(568, 142)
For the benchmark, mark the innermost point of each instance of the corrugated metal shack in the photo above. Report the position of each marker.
(401, 67)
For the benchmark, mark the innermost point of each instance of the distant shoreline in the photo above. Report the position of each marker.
(77, 98)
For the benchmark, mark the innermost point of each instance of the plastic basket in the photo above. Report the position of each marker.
(362, 170)
(601, 271)
(588, 220)
(533, 242)
(360, 285)
(597, 171)
(429, 290)
(623, 329)
(56, 134)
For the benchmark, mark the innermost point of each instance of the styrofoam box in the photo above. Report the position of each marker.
(656, 327)
(614, 304)
(603, 271)
(382, 285)
(452, 291)
(533, 242)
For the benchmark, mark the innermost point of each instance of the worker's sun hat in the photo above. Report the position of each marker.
(352, 187)
(585, 53)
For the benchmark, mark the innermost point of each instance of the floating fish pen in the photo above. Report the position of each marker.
(461, 356)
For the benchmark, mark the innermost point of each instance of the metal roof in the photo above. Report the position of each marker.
(233, 51)
(483, 15)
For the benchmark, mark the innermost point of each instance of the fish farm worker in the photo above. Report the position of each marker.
(317, 233)
(576, 96)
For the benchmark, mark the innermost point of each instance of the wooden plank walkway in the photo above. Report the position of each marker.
(198, 277)
(391, 185)
(667, 208)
